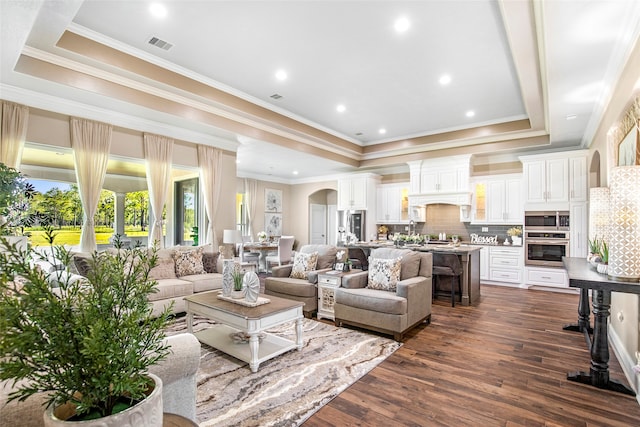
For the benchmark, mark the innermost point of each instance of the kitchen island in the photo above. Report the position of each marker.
(469, 258)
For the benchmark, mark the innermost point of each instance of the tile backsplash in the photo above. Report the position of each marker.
(446, 219)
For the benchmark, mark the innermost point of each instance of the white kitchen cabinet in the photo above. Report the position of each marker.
(498, 200)
(439, 181)
(484, 263)
(393, 203)
(357, 192)
(578, 179)
(547, 277)
(546, 181)
(444, 180)
(552, 181)
(579, 238)
(506, 264)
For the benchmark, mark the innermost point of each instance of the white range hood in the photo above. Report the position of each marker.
(458, 199)
(441, 181)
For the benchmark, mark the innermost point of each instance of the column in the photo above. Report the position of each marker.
(119, 214)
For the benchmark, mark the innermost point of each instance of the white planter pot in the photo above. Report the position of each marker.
(602, 268)
(147, 413)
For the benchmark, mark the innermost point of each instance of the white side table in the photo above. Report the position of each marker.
(327, 284)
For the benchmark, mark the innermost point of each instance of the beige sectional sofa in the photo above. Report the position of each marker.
(180, 271)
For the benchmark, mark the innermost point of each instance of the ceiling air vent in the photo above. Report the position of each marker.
(160, 43)
(276, 96)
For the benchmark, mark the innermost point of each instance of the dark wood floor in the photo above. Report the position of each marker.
(502, 362)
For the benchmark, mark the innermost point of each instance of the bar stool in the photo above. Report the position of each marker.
(447, 265)
(358, 258)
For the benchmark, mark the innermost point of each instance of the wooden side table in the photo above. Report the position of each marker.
(174, 420)
(327, 284)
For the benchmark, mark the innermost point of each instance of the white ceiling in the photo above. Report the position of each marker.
(508, 60)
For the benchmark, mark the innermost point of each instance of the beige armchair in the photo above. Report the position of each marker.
(305, 290)
(385, 311)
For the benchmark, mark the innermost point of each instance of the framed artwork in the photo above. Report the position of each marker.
(272, 200)
(273, 224)
(629, 149)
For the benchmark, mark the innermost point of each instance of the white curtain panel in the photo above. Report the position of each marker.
(91, 142)
(158, 153)
(251, 191)
(210, 163)
(13, 132)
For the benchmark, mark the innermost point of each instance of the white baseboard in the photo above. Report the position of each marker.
(627, 361)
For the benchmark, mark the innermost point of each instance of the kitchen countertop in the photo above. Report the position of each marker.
(463, 248)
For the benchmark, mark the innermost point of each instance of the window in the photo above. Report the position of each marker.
(187, 212)
(242, 216)
(61, 203)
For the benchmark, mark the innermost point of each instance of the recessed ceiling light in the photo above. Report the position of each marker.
(470, 113)
(382, 131)
(281, 75)
(402, 24)
(295, 172)
(571, 116)
(445, 79)
(341, 108)
(158, 10)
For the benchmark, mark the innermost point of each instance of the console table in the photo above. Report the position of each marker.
(583, 276)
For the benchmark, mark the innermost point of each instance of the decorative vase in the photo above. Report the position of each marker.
(516, 240)
(147, 413)
(227, 277)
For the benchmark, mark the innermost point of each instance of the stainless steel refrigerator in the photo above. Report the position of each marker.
(351, 223)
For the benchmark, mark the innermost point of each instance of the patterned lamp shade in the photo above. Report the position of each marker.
(624, 229)
(599, 213)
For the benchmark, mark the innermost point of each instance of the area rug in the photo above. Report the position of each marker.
(290, 388)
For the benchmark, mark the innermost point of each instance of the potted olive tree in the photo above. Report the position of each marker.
(87, 342)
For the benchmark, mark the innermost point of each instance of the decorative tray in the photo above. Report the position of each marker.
(242, 301)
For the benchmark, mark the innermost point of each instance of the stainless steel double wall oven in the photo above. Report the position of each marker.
(546, 237)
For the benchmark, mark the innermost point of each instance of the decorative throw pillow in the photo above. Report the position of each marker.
(82, 263)
(210, 261)
(384, 274)
(165, 268)
(303, 263)
(188, 262)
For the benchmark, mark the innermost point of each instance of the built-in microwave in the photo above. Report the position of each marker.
(546, 220)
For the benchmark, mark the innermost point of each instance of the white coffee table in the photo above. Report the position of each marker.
(231, 317)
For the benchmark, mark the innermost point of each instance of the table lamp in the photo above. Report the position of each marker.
(231, 237)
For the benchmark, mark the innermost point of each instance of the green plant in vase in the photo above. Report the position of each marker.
(87, 342)
(604, 252)
(238, 285)
(595, 246)
(604, 258)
